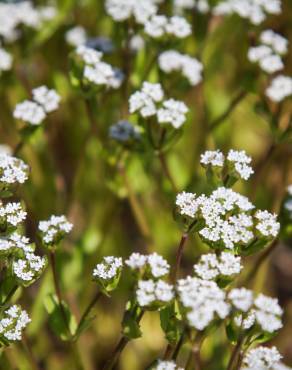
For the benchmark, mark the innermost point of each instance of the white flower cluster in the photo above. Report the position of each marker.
(14, 242)
(254, 10)
(167, 365)
(202, 6)
(54, 229)
(5, 60)
(280, 88)
(12, 214)
(150, 292)
(156, 264)
(262, 358)
(267, 223)
(12, 323)
(28, 269)
(108, 269)
(35, 111)
(149, 102)
(159, 26)
(227, 217)
(268, 53)
(211, 266)
(15, 14)
(12, 170)
(96, 71)
(76, 36)
(263, 310)
(121, 10)
(236, 161)
(203, 301)
(172, 61)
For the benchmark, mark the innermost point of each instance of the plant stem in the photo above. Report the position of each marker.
(178, 346)
(179, 257)
(88, 309)
(135, 206)
(119, 348)
(94, 128)
(10, 295)
(258, 263)
(234, 354)
(166, 171)
(233, 104)
(58, 291)
(18, 148)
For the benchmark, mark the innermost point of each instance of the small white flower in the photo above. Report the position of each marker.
(187, 204)
(12, 323)
(12, 170)
(261, 358)
(240, 161)
(158, 265)
(166, 365)
(241, 298)
(48, 99)
(276, 41)
(280, 88)
(136, 261)
(29, 268)
(30, 112)
(12, 213)
(89, 55)
(213, 158)
(150, 292)
(271, 63)
(267, 224)
(159, 25)
(179, 27)
(108, 269)
(76, 36)
(54, 229)
(257, 53)
(173, 112)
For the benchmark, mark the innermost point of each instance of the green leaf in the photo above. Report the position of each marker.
(170, 324)
(231, 333)
(86, 323)
(254, 247)
(62, 321)
(130, 326)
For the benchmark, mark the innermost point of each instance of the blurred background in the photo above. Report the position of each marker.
(76, 174)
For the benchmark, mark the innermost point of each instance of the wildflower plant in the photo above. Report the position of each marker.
(130, 207)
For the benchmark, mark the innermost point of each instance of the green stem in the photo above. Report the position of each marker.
(10, 295)
(179, 254)
(58, 291)
(166, 171)
(234, 354)
(30, 355)
(178, 346)
(88, 309)
(119, 348)
(233, 104)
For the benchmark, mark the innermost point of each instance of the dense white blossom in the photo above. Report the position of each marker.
(12, 214)
(49, 99)
(12, 170)
(267, 223)
(201, 6)
(166, 365)
(76, 36)
(159, 25)
(254, 10)
(203, 300)
(271, 63)
(261, 358)
(12, 323)
(210, 266)
(141, 10)
(29, 268)
(155, 264)
(172, 112)
(154, 292)
(277, 42)
(257, 53)
(54, 229)
(213, 158)
(13, 15)
(171, 60)
(89, 55)
(108, 269)
(241, 162)
(30, 112)
(263, 310)
(136, 261)
(280, 88)
(187, 204)
(15, 242)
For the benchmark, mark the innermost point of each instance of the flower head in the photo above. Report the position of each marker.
(12, 323)
(54, 229)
